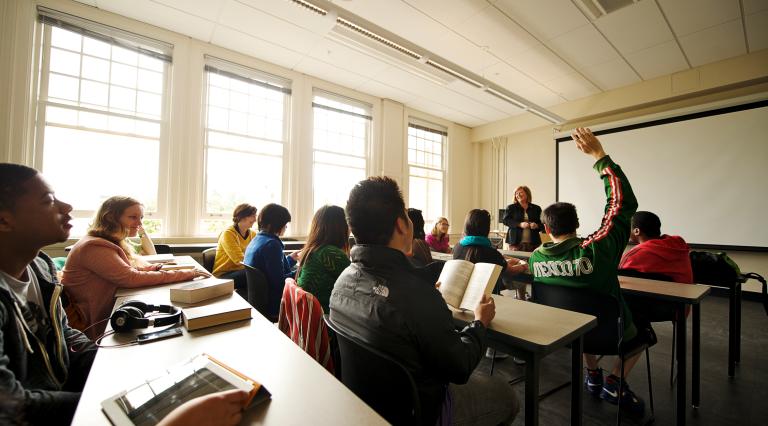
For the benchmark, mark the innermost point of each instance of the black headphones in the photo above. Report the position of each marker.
(131, 315)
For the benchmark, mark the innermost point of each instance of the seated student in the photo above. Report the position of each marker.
(598, 258)
(476, 247)
(232, 244)
(43, 362)
(438, 238)
(325, 255)
(102, 261)
(381, 300)
(420, 254)
(265, 252)
(657, 253)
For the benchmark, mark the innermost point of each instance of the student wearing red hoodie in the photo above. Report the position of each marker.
(656, 253)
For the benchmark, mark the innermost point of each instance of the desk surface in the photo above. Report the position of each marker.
(664, 290)
(302, 391)
(533, 327)
(180, 260)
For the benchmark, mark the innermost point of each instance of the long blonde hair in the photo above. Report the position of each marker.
(106, 223)
(436, 230)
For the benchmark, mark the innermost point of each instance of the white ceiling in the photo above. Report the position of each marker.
(545, 51)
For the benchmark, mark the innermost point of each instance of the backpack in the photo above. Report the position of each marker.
(719, 270)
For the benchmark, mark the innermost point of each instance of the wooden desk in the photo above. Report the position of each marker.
(303, 392)
(533, 331)
(679, 295)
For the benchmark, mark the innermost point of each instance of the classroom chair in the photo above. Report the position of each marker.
(258, 289)
(301, 319)
(162, 249)
(209, 258)
(607, 337)
(378, 379)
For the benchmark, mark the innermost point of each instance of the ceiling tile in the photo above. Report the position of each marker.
(583, 47)
(252, 46)
(385, 91)
(572, 86)
(636, 27)
(545, 19)
(349, 59)
(612, 74)
(277, 30)
(715, 43)
(161, 16)
(483, 97)
(757, 30)
(540, 63)
(753, 6)
(656, 61)
(329, 72)
(201, 8)
(689, 16)
(289, 12)
(457, 13)
(522, 85)
(492, 30)
(88, 2)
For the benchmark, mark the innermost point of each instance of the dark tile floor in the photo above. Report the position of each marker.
(741, 401)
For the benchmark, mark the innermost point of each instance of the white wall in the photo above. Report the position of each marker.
(184, 145)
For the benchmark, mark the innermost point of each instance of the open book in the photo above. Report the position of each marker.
(148, 403)
(464, 283)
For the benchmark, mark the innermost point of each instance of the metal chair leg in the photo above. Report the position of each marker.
(650, 385)
(672, 361)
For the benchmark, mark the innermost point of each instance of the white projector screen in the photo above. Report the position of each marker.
(704, 174)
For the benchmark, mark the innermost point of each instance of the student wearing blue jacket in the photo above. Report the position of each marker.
(265, 253)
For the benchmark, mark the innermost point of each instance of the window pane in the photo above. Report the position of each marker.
(63, 87)
(66, 39)
(94, 93)
(332, 184)
(95, 69)
(230, 182)
(96, 48)
(82, 164)
(425, 183)
(65, 62)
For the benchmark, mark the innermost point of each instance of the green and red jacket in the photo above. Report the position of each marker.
(592, 262)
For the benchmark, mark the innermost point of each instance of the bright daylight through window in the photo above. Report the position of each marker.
(426, 157)
(341, 136)
(100, 116)
(245, 136)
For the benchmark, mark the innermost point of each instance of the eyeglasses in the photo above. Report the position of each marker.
(444, 223)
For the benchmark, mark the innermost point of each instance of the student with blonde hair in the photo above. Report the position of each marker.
(438, 238)
(102, 261)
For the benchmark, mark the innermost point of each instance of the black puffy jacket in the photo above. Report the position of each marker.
(384, 301)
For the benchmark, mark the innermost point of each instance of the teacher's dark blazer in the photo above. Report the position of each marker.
(512, 218)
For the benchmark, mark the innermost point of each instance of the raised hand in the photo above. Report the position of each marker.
(587, 142)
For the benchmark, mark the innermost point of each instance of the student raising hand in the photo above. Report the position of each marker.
(222, 408)
(588, 143)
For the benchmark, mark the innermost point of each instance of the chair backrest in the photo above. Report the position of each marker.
(646, 275)
(301, 319)
(378, 379)
(258, 289)
(209, 258)
(601, 340)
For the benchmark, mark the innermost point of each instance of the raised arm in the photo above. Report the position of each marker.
(620, 204)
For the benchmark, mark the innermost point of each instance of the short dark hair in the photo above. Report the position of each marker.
(242, 211)
(561, 218)
(12, 179)
(477, 223)
(373, 207)
(418, 223)
(648, 223)
(272, 218)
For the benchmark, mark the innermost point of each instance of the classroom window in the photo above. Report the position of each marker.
(245, 117)
(426, 159)
(340, 147)
(101, 109)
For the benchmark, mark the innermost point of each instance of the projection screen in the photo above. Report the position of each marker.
(705, 175)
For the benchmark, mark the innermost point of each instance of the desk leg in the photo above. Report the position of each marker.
(576, 380)
(732, 331)
(737, 339)
(682, 332)
(532, 390)
(696, 356)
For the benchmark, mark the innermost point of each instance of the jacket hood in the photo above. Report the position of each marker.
(667, 248)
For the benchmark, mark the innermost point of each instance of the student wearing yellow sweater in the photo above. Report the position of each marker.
(232, 244)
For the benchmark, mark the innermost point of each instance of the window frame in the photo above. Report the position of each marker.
(427, 126)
